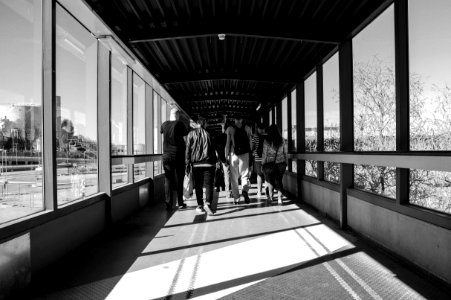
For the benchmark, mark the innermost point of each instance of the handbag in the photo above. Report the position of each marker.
(188, 185)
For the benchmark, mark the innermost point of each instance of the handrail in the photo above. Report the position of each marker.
(440, 161)
(134, 159)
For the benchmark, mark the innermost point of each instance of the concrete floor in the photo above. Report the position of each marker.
(245, 251)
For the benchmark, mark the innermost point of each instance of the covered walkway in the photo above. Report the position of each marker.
(243, 252)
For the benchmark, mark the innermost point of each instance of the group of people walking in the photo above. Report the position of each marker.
(236, 151)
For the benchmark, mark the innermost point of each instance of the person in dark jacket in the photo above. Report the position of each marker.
(173, 158)
(200, 158)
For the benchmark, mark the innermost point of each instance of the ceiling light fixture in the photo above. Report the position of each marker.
(221, 36)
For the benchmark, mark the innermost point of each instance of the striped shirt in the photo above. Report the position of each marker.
(257, 146)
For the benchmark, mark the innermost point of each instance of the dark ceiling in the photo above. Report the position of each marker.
(269, 45)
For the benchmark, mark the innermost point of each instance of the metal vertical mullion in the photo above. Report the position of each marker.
(289, 135)
(130, 121)
(402, 97)
(300, 134)
(346, 124)
(49, 104)
(320, 118)
(149, 127)
(104, 127)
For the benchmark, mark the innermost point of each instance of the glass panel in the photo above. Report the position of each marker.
(270, 117)
(20, 109)
(139, 171)
(293, 121)
(331, 87)
(156, 119)
(431, 189)
(332, 172)
(285, 119)
(119, 175)
(150, 167)
(118, 105)
(430, 74)
(378, 180)
(163, 111)
(76, 109)
(310, 113)
(374, 85)
(294, 166)
(139, 123)
(157, 168)
(311, 168)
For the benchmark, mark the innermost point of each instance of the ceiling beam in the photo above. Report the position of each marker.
(276, 77)
(287, 32)
(263, 98)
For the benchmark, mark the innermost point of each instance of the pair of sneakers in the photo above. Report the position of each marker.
(205, 208)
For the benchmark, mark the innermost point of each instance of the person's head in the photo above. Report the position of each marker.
(225, 125)
(260, 127)
(175, 114)
(201, 121)
(238, 121)
(274, 136)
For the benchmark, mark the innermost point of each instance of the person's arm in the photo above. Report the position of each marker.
(188, 154)
(228, 143)
(249, 136)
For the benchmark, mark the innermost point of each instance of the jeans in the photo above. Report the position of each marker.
(203, 176)
(239, 167)
(174, 171)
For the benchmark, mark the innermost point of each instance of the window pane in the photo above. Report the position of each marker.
(139, 124)
(76, 109)
(311, 168)
(331, 88)
(310, 114)
(332, 172)
(118, 105)
(374, 85)
(285, 119)
(119, 175)
(139, 171)
(375, 179)
(431, 189)
(294, 166)
(293, 121)
(430, 74)
(156, 119)
(20, 109)
(270, 117)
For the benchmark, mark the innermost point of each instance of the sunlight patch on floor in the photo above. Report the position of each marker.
(229, 268)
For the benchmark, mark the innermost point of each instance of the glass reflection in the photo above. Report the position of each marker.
(76, 109)
(139, 114)
(293, 121)
(20, 109)
(311, 126)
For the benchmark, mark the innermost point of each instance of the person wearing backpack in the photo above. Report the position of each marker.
(237, 153)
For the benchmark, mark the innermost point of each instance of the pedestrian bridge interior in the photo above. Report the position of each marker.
(359, 89)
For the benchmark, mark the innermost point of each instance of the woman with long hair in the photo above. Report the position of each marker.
(274, 162)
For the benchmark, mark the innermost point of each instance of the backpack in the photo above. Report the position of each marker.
(241, 141)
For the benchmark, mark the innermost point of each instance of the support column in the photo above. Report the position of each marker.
(402, 97)
(130, 121)
(300, 135)
(346, 125)
(49, 102)
(104, 127)
(320, 119)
